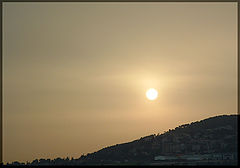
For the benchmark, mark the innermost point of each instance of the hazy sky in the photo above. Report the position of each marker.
(75, 74)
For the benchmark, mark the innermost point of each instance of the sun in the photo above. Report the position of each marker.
(152, 94)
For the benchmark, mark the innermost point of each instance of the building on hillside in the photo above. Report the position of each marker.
(228, 156)
(196, 147)
(217, 156)
(165, 158)
(191, 157)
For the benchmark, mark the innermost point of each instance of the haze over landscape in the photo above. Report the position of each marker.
(75, 75)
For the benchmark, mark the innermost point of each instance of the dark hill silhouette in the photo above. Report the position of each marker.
(214, 135)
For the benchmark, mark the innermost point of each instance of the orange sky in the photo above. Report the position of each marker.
(75, 74)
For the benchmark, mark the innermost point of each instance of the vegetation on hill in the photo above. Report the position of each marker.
(212, 135)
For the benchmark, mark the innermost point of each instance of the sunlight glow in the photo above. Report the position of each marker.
(152, 94)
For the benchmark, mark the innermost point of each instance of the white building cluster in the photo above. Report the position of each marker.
(196, 157)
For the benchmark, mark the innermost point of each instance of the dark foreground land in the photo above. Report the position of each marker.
(212, 141)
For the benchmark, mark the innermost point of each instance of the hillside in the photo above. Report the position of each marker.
(213, 135)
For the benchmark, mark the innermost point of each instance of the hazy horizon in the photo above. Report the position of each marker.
(75, 75)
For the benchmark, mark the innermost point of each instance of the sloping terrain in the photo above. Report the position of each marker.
(212, 135)
(209, 136)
